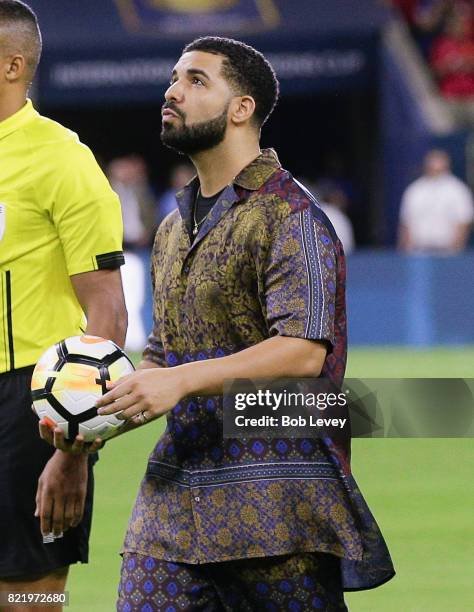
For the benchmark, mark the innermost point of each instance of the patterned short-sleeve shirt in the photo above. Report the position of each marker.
(265, 262)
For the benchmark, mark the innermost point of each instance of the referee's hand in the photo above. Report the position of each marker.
(78, 446)
(61, 493)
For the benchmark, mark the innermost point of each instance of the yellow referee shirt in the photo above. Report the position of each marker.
(58, 217)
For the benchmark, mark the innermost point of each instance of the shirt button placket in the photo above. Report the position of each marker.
(196, 511)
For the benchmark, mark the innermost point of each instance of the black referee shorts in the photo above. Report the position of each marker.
(23, 455)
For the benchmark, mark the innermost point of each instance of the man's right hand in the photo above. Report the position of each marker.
(61, 493)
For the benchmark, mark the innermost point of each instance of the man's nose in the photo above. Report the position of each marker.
(174, 93)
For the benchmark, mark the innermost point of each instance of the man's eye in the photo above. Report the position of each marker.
(197, 81)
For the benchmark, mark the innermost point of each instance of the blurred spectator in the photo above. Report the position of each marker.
(422, 15)
(429, 21)
(407, 8)
(333, 202)
(436, 211)
(452, 55)
(346, 176)
(335, 172)
(129, 178)
(180, 175)
(431, 15)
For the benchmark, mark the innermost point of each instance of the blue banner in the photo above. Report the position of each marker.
(99, 77)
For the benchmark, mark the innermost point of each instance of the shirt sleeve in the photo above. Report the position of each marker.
(300, 279)
(86, 212)
(464, 206)
(406, 205)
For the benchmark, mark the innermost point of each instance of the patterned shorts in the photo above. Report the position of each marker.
(295, 583)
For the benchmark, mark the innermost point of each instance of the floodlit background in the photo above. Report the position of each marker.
(368, 89)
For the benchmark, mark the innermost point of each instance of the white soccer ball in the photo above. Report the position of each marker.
(70, 377)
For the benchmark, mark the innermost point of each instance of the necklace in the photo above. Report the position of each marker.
(197, 224)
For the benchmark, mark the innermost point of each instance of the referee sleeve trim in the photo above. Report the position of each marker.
(110, 261)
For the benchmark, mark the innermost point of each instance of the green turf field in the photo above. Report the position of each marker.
(420, 491)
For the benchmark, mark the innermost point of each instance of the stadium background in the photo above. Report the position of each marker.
(351, 91)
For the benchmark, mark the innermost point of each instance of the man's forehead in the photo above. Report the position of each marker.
(209, 62)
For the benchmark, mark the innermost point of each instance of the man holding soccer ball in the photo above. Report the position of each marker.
(248, 279)
(60, 253)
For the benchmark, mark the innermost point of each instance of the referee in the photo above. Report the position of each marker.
(60, 254)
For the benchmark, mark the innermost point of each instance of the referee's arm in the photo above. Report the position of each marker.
(62, 486)
(101, 296)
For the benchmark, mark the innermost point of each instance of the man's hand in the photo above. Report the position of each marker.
(56, 438)
(61, 493)
(152, 392)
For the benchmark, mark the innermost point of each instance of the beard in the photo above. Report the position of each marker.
(192, 139)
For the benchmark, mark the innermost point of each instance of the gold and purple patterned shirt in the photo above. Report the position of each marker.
(266, 261)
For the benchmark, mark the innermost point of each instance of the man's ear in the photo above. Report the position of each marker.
(242, 109)
(14, 67)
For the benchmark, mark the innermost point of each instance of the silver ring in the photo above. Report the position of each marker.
(140, 418)
(144, 416)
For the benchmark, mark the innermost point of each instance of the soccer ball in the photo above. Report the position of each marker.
(70, 377)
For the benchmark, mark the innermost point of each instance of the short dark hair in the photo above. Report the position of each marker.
(26, 39)
(246, 69)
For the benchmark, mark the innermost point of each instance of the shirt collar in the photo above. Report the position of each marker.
(16, 121)
(253, 176)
